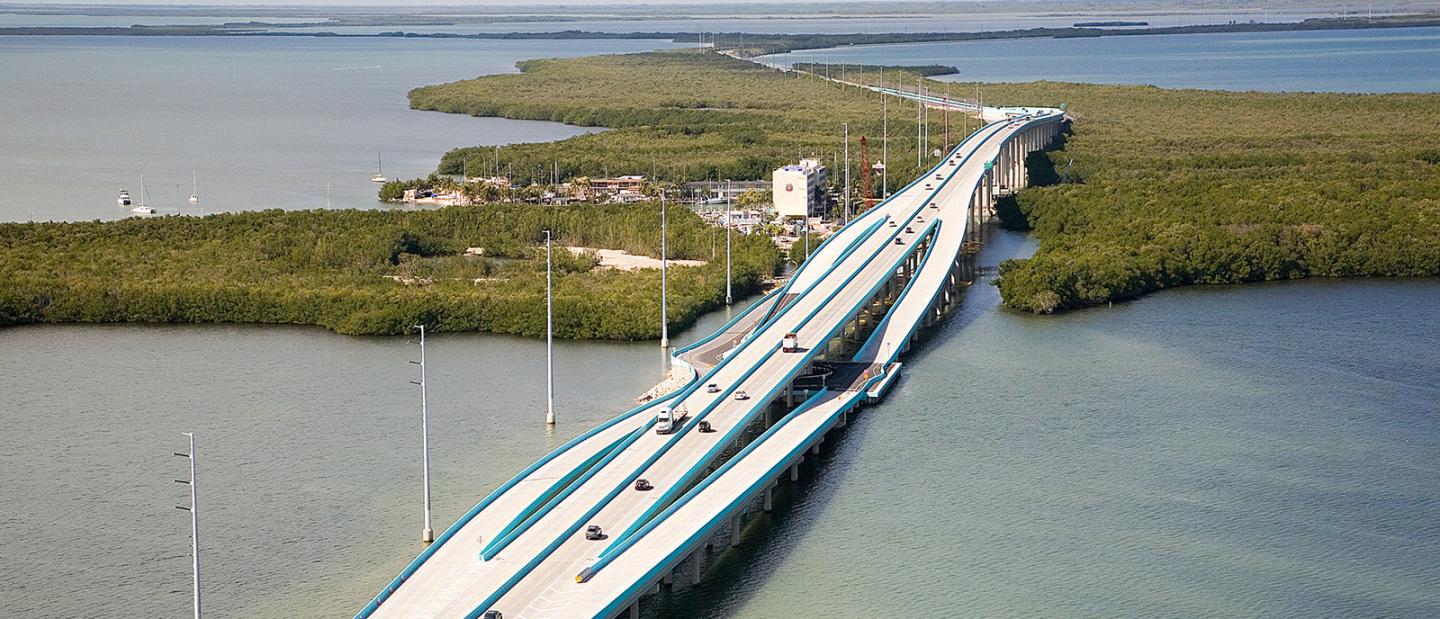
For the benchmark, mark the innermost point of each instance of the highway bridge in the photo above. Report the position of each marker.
(755, 409)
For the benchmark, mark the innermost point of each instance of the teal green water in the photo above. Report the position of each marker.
(1214, 452)
(262, 122)
(1259, 451)
(1264, 450)
(1389, 60)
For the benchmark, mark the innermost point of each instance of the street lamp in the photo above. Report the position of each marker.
(427, 534)
(549, 339)
(664, 260)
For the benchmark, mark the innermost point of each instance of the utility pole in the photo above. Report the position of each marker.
(729, 200)
(427, 534)
(847, 172)
(664, 261)
(194, 510)
(549, 340)
(919, 128)
(884, 146)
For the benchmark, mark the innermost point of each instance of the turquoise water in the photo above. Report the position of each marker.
(309, 457)
(1264, 450)
(1396, 60)
(263, 122)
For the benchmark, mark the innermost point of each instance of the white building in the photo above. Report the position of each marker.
(799, 190)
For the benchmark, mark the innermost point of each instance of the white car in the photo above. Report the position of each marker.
(712, 388)
(741, 395)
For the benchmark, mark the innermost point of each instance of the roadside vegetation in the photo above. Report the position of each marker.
(372, 272)
(1178, 187)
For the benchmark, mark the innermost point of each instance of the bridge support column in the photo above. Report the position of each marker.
(697, 567)
(635, 610)
(795, 471)
(844, 418)
(815, 449)
(769, 498)
(735, 531)
(769, 413)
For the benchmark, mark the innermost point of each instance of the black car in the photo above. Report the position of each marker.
(643, 484)
(493, 614)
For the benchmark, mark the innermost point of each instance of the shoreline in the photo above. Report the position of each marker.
(758, 43)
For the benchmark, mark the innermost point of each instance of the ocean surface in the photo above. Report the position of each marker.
(1394, 60)
(960, 18)
(1260, 450)
(1240, 451)
(285, 123)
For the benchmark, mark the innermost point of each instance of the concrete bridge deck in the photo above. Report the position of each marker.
(523, 550)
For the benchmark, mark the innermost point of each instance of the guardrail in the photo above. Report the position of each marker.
(691, 542)
(465, 518)
(575, 526)
(929, 231)
(645, 519)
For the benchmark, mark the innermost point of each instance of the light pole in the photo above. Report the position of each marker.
(427, 534)
(919, 106)
(729, 200)
(549, 340)
(884, 145)
(664, 315)
(847, 172)
(194, 510)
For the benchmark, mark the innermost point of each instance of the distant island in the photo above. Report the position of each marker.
(1109, 24)
(743, 42)
(1150, 189)
(924, 70)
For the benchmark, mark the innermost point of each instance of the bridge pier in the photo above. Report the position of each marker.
(735, 531)
(635, 610)
(795, 470)
(769, 498)
(697, 567)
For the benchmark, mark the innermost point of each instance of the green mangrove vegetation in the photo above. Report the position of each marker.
(1177, 187)
(683, 115)
(372, 272)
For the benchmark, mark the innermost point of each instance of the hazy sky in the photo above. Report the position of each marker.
(518, 4)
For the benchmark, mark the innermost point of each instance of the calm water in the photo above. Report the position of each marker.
(308, 444)
(1243, 451)
(958, 19)
(1399, 60)
(1219, 452)
(1263, 450)
(264, 122)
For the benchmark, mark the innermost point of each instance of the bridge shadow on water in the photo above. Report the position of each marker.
(736, 575)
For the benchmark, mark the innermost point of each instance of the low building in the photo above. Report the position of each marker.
(721, 192)
(619, 189)
(619, 184)
(799, 190)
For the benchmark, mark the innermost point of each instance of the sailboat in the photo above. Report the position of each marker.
(141, 208)
(194, 189)
(379, 171)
